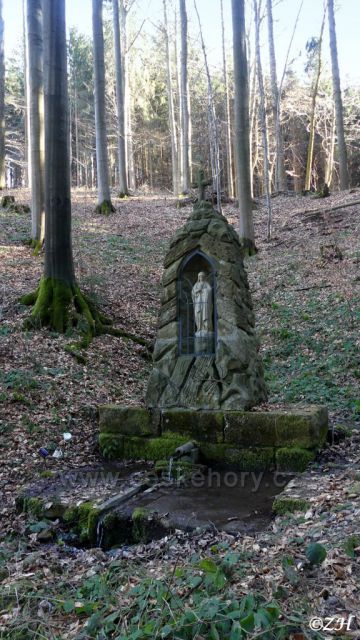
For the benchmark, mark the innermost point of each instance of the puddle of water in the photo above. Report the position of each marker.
(227, 500)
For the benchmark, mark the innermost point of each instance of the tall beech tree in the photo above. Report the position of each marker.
(35, 49)
(170, 94)
(314, 48)
(123, 187)
(229, 153)
(104, 198)
(242, 140)
(262, 114)
(339, 115)
(2, 100)
(184, 100)
(58, 302)
(125, 8)
(280, 177)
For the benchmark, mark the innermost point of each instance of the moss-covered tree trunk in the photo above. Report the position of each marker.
(58, 302)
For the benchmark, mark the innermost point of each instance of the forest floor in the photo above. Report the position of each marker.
(305, 285)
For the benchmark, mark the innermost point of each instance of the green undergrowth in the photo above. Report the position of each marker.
(313, 349)
(193, 599)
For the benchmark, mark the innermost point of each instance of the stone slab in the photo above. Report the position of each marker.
(128, 420)
(304, 427)
(204, 426)
(249, 459)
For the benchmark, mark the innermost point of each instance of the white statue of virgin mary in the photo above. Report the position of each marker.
(203, 305)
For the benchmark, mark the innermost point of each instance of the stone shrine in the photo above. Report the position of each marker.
(207, 371)
(206, 351)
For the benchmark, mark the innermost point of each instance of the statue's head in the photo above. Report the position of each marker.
(201, 276)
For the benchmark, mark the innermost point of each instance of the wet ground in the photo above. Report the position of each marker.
(220, 500)
(227, 501)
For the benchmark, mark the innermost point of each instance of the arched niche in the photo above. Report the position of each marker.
(197, 307)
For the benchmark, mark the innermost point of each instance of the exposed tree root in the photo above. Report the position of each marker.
(63, 308)
(105, 208)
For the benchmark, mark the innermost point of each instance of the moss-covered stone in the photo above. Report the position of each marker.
(286, 504)
(204, 426)
(140, 519)
(306, 427)
(34, 507)
(111, 446)
(115, 528)
(247, 429)
(129, 421)
(178, 469)
(293, 459)
(146, 525)
(136, 448)
(250, 459)
(120, 447)
(83, 520)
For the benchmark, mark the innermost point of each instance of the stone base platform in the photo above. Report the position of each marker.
(243, 440)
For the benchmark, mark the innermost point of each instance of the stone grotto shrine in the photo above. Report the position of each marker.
(206, 350)
(207, 372)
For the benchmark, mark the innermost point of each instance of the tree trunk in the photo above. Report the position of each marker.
(213, 129)
(35, 48)
(58, 302)
(77, 145)
(343, 168)
(242, 142)
(172, 124)
(184, 105)
(230, 182)
(310, 153)
(129, 147)
(122, 177)
(280, 178)
(2, 101)
(27, 148)
(266, 171)
(253, 128)
(102, 165)
(330, 153)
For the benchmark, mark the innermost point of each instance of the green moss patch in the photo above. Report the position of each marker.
(129, 421)
(248, 429)
(151, 448)
(250, 459)
(120, 447)
(83, 520)
(293, 459)
(111, 446)
(305, 428)
(205, 426)
(285, 504)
